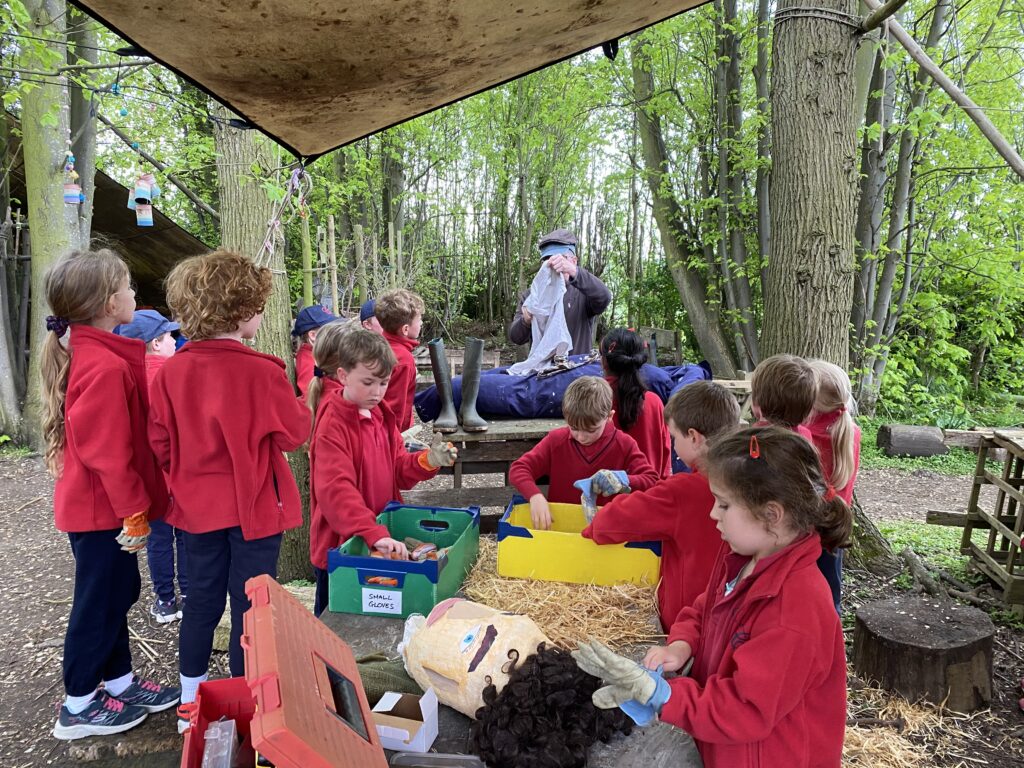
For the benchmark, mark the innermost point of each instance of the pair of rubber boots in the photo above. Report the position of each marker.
(448, 420)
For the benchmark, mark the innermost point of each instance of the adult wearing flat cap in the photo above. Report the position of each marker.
(586, 297)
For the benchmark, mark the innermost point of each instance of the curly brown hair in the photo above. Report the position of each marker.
(213, 293)
(397, 308)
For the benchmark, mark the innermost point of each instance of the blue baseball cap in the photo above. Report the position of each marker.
(556, 241)
(366, 311)
(147, 324)
(311, 318)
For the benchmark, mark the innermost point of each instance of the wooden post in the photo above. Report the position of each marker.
(360, 256)
(332, 264)
(307, 264)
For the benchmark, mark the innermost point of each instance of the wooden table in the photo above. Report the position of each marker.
(490, 452)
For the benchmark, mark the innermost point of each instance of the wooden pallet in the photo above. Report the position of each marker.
(1000, 558)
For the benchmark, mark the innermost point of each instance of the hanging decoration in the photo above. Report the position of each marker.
(72, 189)
(140, 198)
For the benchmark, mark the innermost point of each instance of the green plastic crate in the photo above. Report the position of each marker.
(413, 587)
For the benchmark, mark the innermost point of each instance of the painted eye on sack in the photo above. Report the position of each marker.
(468, 638)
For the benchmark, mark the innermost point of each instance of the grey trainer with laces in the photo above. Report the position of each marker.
(151, 696)
(103, 716)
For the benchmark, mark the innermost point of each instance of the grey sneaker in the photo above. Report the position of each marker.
(151, 696)
(165, 611)
(103, 716)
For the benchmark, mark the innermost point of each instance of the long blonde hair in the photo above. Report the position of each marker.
(77, 288)
(834, 394)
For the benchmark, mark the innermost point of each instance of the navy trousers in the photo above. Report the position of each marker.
(164, 542)
(320, 598)
(831, 566)
(220, 562)
(107, 584)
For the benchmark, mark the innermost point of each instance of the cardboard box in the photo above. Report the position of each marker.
(406, 722)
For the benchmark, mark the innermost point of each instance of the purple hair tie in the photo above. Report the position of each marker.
(57, 324)
(318, 372)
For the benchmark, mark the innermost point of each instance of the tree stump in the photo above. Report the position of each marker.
(926, 648)
(906, 440)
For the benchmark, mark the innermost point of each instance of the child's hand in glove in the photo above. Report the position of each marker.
(639, 692)
(440, 454)
(134, 532)
(604, 482)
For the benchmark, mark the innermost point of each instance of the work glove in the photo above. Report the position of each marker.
(134, 532)
(639, 692)
(604, 482)
(441, 453)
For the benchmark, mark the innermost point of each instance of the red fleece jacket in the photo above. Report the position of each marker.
(303, 369)
(768, 684)
(676, 512)
(357, 464)
(564, 461)
(223, 415)
(109, 472)
(153, 364)
(821, 437)
(402, 387)
(650, 432)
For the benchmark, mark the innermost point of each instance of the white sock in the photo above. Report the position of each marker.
(190, 685)
(76, 704)
(118, 685)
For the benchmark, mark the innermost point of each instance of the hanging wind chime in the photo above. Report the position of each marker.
(141, 197)
(72, 189)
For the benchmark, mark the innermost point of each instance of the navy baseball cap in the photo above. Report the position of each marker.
(147, 324)
(310, 319)
(366, 311)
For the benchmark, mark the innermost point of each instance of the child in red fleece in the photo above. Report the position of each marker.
(108, 486)
(837, 438)
(223, 415)
(400, 314)
(153, 329)
(307, 325)
(589, 447)
(676, 510)
(357, 459)
(782, 392)
(638, 411)
(768, 682)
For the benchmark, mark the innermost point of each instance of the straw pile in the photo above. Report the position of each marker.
(907, 735)
(619, 616)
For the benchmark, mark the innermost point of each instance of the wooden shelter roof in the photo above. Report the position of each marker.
(318, 74)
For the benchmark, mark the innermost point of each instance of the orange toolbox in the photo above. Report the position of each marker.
(301, 703)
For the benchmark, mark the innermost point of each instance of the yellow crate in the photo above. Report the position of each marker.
(561, 554)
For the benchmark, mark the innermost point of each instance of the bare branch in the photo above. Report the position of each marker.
(874, 19)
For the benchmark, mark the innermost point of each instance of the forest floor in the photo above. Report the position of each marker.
(37, 575)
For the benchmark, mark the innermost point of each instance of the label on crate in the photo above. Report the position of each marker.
(382, 601)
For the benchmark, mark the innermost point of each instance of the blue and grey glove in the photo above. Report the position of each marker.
(604, 482)
(639, 692)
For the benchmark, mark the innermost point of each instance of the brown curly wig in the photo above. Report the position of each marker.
(213, 293)
(543, 717)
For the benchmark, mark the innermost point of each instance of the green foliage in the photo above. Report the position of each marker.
(939, 545)
(11, 450)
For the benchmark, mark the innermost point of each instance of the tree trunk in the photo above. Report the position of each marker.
(54, 225)
(764, 229)
(926, 648)
(703, 316)
(809, 292)
(245, 210)
(83, 120)
(10, 378)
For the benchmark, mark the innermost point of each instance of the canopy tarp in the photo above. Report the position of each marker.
(318, 74)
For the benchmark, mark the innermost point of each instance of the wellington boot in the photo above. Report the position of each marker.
(447, 420)
(468, 417)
